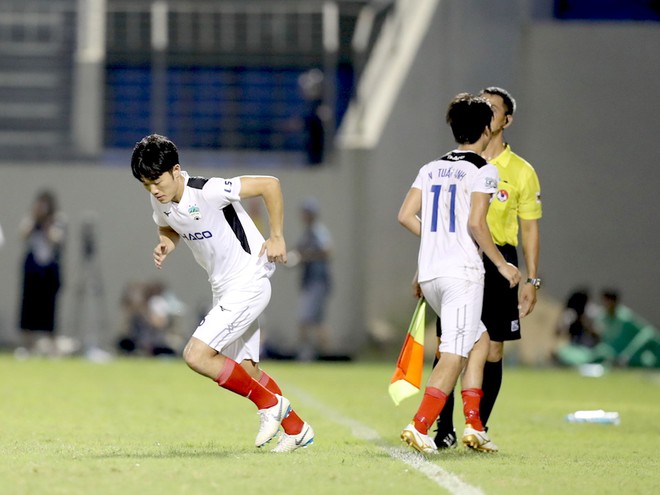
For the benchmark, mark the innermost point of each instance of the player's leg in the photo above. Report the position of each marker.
(445, 436)
(225, 338)
(452, 299)
(442, 380)
(297, 433)
(474, 434)
(501, 316)
(492, 379)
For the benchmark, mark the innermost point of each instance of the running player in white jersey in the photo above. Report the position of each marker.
(208, 216)
(453, 194)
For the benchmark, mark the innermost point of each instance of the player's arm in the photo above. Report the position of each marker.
(269, 189)
(481, 233)
(167, 241)
(410, 207)
(529, 231)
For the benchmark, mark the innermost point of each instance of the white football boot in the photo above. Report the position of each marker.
(289, 443)
(270, 419)
(478, 440)
(418, 441)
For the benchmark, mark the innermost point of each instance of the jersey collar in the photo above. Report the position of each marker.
(503, 158)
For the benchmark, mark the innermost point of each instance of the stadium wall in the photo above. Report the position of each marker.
(586, 117)
(587, 111)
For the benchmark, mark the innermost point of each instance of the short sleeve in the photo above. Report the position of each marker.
(486, 179)
(417, 183)
(220, 192)
(529, 204)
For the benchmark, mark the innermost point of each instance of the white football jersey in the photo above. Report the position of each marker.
(222, 236)
(447, 248)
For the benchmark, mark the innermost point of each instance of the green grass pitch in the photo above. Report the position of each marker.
(147, 427)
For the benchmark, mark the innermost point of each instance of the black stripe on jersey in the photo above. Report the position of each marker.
(236, 226)
(468, 156)
(197, 182)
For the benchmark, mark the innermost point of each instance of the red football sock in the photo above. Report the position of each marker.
(269, 383)
(233, 377)
(432, 403)
(471, 400)
(292, 424)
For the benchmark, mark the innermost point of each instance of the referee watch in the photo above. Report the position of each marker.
(536, 282)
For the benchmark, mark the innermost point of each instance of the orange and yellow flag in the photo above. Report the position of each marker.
(407, 378)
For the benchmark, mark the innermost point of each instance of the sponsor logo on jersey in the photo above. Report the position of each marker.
(197, 236)
(502, 195)
(194, 212)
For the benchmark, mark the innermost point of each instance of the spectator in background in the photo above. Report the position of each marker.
(316, 116)
(150, 326)
(43, 231)
(626, 339)
(313, 252)
(577, 320)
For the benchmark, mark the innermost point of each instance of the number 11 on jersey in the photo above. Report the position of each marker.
(436, 189)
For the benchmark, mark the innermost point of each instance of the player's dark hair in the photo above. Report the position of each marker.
(153, 156)
(508, 100)
(467, 116)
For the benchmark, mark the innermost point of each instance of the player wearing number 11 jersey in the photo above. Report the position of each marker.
(453, 195)
(447, 248)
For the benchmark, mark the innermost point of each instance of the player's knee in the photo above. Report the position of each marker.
(252, 368)
(495, 352)
(194, 358)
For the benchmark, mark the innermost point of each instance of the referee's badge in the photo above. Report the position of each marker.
(502, 195)
(194, 212)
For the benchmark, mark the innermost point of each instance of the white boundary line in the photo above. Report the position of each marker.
(417, 461)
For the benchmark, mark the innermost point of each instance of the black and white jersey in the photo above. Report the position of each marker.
(222, 236)
(447, 248)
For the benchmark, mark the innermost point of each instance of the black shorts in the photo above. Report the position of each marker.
(500, 311)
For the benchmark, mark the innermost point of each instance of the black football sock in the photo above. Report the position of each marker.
(491, 388)
(446, 418)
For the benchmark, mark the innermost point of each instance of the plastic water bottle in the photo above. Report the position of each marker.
(597, 416)
(591, 370)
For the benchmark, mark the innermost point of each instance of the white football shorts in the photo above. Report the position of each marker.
(232, 326)
(458, 302)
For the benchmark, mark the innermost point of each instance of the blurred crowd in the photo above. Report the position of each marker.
(589, 330)
(150, 324)
(604, 332)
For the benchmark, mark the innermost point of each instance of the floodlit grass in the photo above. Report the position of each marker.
(153, 427)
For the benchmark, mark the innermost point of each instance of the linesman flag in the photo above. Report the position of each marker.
(407, 378)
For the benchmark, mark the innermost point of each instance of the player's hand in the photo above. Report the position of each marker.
(160, 253)
(511, 273)
(417, 290)
(527, 300)
(275, 248)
